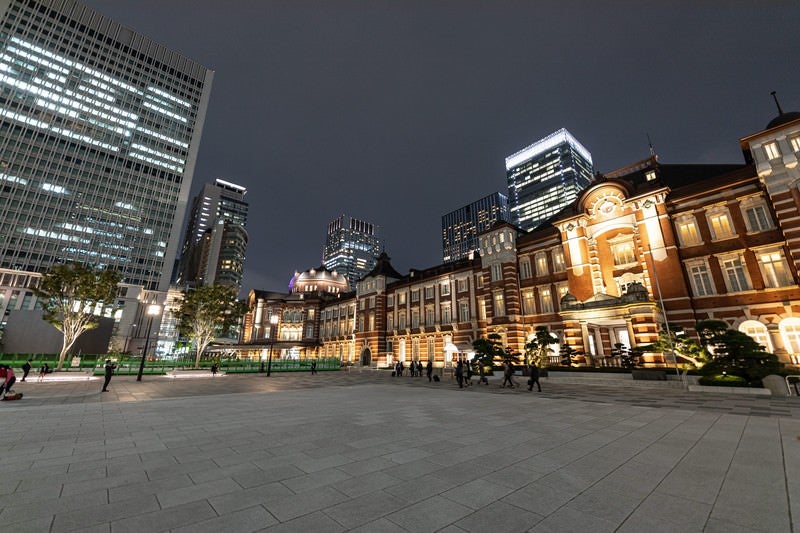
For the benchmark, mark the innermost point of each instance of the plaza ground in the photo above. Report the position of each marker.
(362, 451)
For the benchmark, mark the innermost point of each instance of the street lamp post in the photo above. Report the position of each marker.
(152, 310)
(273, 320)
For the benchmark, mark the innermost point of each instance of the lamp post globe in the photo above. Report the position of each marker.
(152, 311)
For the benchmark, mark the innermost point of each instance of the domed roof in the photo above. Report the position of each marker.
(636, 287)
(319, 279)
(783, 118)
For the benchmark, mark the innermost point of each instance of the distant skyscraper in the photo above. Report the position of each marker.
(99, 132)
(545, 177)
(352, 247)
(216, 240)
(461, 227)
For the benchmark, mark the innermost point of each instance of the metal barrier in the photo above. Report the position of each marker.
(796, 385)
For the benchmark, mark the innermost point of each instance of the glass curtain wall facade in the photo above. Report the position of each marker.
(352, 247)
(99, 132)
(545, 177)
(461, 227)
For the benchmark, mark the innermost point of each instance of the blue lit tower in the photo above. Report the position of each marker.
(461, 227)
(352, 247)
(545, 177)
(99, 132)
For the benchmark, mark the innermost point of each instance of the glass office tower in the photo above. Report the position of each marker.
(352, 248)
(545, 177)
(99, 132)
(461, 227)
(216, 240)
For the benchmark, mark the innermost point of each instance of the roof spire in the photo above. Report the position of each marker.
(650, 144)
(775, 97)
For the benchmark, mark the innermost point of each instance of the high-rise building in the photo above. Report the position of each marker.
(545, 177)
(216, 240)
(461, 227)
(352, 247)
(99, 132)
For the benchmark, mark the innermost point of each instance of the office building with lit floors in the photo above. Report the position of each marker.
(460, 228)
(545, 177)
(216, 238)
(99, 132)
(352, 247)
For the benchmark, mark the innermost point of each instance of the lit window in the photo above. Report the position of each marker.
(774, 269)
(650, 175)
(429, 293)
(687, 232)
(720, 225)
(463, 312)
(415, 295)
(429, 317)
(445, 289)
(446, 315)
(735, 277)
(541, 264)
(623, 253)
(524, 269)
(790, 330)
(772, 151)
(558, 260)
(528, 302)
(758, 332)
(415, 319)
(795, 143)
(700, 278)
(462, 285)
(499, 304)
(546, 300)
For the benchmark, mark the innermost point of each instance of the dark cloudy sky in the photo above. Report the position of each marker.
(398, 112)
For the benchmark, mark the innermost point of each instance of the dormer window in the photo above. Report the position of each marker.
(794, 142)
(772, 150)
(650, 175)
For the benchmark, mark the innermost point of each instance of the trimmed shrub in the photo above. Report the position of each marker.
(718, 380)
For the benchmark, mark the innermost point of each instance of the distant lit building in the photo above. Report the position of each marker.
(545, 177)
(461, 227)
(352, 247)
(216, 239)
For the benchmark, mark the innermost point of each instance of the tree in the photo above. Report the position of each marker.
(73, 297)
(684, 346)
(538, 349)
(737, 354)
(486, 349)
(567, 354)
(208, 312)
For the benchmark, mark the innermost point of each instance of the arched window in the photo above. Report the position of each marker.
(758, 332)
(790, 331)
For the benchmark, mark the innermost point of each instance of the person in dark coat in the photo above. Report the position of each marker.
(460, 373)
(110, 367)
(25, 369)
(429, 369)
(534, 378)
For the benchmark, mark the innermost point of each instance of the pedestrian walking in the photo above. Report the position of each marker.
(9, 380)
(313, 367)
(25, 369)
(460, 373)
(508, 371)
(43, 371)
(429, 369)
(110, 367)
(534, 378)
(214, 369)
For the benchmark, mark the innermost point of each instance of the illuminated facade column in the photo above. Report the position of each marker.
(778, 346)
(631, 331)
(587, 347)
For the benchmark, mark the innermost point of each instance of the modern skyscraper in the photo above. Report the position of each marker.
(545, 177)
(461, 227)
(216, 240)
(352, 247)
(99, 132)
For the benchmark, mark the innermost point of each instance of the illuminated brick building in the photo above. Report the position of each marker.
(709, 241)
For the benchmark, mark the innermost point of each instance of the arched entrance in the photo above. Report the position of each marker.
(366, 357)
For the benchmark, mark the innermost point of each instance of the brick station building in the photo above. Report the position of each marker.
(694, 241)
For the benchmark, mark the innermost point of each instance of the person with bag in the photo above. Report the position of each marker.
(25, 369)
(9, 381)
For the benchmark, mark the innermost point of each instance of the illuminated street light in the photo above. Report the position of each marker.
(272, 331)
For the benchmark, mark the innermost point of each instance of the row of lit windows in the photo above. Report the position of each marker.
(720, 224)
(772, 264)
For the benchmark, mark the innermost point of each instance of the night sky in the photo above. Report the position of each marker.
(399, 112)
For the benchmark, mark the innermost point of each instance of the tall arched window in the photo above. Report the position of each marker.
(790, 331)
(758, 332)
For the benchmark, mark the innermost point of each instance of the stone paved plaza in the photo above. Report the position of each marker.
(363, 451)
